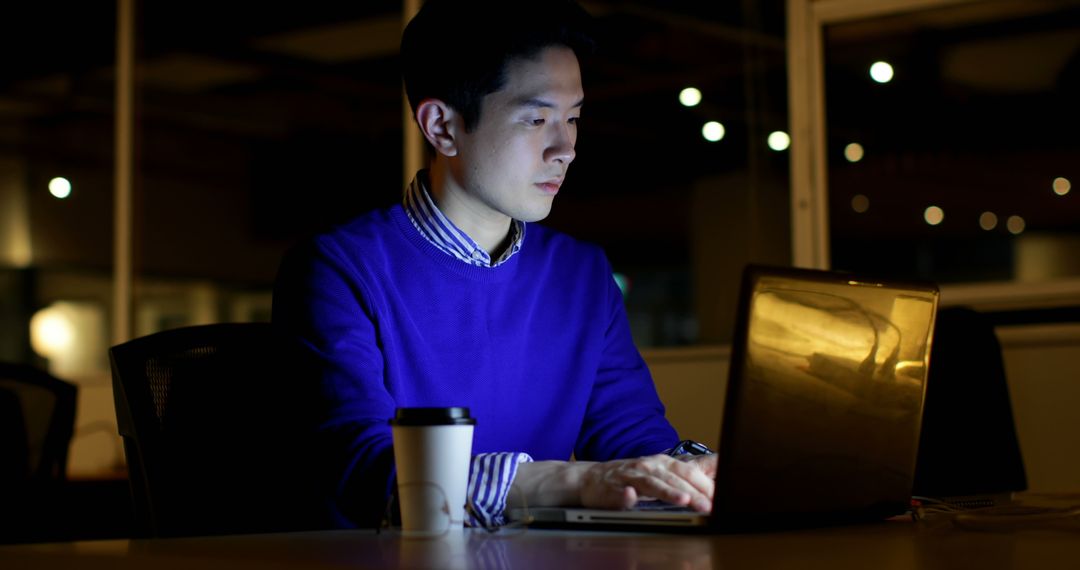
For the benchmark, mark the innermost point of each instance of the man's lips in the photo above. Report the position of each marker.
(550, 186)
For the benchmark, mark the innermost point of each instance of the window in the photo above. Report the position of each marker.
(951, 142)
(254, 128)
(680, 206)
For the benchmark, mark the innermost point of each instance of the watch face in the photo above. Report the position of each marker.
(688, 447)
(698, 448)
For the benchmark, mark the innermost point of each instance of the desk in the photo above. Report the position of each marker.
(886, 545)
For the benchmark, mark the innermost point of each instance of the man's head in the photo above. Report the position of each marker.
(496, 89)
(457, 50)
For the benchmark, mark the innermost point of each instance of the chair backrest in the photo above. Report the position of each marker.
(213, 437)
(968, 444)
(37, 417)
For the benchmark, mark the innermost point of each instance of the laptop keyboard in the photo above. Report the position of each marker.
(659, 506)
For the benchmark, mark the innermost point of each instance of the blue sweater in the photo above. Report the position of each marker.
(538, 348)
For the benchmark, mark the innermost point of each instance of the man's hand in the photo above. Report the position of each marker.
(620, 484)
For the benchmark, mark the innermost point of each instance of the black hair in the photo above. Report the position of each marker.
(457, 50)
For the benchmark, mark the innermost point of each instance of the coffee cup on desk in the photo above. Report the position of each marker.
(432, 451)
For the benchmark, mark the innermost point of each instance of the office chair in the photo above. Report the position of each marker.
(37, 417)
(968, 444)
(213, 431)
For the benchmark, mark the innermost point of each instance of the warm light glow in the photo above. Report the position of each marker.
(51, 332)
(881, 72)
(1062, 186)
(934, 215)
(853, 152)
(712, 131)
(71, 335)
(60, 187)
(988, 221)
(1015, 224)
(860, 203)
(690, 97)
(779, 140)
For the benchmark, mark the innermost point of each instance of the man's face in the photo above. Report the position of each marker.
(514, 161)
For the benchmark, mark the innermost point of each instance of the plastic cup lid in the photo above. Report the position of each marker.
(432, 417)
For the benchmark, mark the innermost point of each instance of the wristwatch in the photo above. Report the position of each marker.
(689, 447)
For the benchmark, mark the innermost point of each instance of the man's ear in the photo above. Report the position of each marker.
(435, 118)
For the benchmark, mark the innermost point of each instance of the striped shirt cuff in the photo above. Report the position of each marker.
(490, 478)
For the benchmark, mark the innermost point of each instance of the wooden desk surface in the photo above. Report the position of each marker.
(886, 545)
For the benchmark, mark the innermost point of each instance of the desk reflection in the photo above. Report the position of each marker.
(893, 545)
(547, 549)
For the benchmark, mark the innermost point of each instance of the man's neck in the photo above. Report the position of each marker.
(491, 233)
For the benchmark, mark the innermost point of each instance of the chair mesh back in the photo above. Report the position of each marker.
(205, 412)
(160, 371)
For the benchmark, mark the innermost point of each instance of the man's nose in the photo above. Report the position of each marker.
(561, 149)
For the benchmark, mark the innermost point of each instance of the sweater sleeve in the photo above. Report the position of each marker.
(321, 307)
(624, 417)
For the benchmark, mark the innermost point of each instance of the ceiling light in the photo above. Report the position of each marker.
(934, 215)
(779, 140)
(1015, 224)
(881, 72)
(60, 187)
(853, 152)
(712, 131)
(690, 97)
(1062, 186)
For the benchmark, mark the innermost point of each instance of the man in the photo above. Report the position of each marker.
(455, 298)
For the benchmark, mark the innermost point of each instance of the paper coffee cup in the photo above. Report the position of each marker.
(432, 452)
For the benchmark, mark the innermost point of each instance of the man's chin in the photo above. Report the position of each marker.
(534, 214)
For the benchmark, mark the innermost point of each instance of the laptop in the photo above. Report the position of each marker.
(822, 412)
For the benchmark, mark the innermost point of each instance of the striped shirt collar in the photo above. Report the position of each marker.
(444, 235)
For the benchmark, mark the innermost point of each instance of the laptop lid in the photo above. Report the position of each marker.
(822, 409)
(825, 396)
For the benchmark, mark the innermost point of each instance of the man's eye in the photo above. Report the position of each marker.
(573, 120)
(536, 122)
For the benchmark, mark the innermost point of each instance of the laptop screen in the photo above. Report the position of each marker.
(826, 391)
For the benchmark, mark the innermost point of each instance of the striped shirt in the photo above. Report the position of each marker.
(443, 234)
(491, 474)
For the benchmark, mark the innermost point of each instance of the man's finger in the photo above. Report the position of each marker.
(694, 477)
(660, 477)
